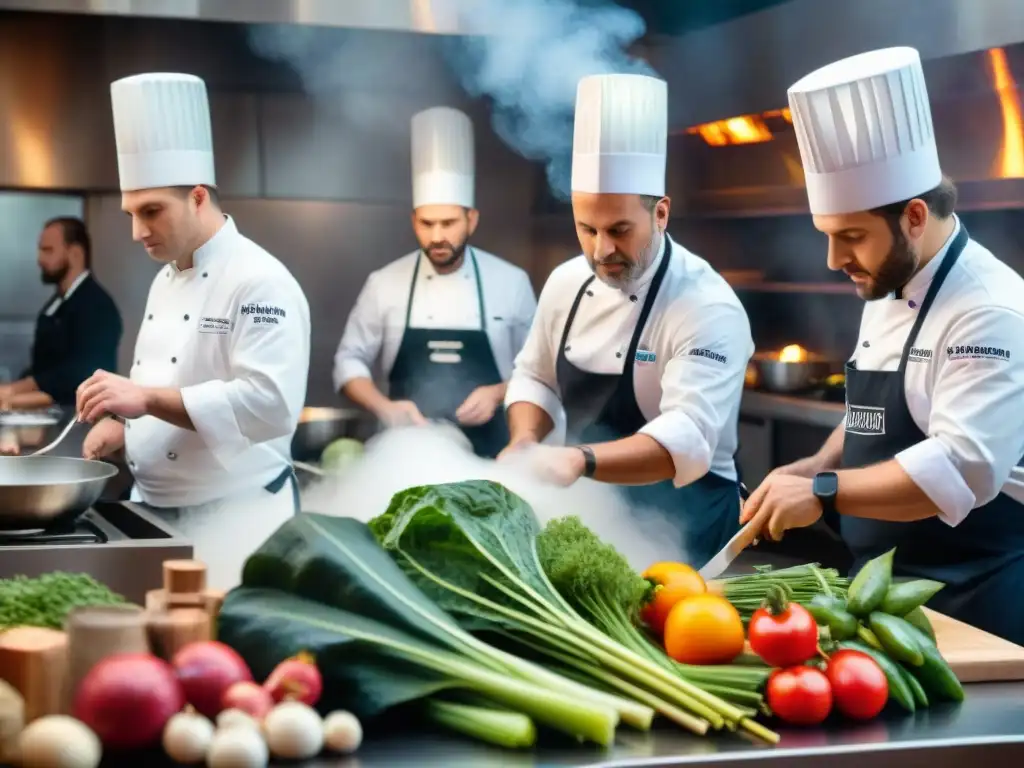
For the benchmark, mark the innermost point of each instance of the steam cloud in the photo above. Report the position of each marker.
(525, 56)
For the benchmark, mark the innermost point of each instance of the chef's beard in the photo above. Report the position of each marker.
(55, 276)
(633, 270)
(456, 252)
(897, 268)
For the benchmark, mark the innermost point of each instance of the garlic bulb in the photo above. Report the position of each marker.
(342, 732)
(187, 738)
(294, 731)
(237, 748)
(58, 741)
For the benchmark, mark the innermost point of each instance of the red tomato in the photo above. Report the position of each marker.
(784, 636)
(800, 695)
(859, 686)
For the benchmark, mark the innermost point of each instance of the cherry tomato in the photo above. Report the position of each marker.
(783, 634)
(704, 629)
(673, 582)
(859, 686)
(800, 695)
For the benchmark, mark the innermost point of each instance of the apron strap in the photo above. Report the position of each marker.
(274, 486)
(955, 249)
(645, 312)
(572, 313)
(479, 289)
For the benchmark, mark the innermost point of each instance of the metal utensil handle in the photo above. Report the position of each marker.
(60, 438)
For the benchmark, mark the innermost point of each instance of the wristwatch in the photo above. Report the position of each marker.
(589, 460)
(825, 487)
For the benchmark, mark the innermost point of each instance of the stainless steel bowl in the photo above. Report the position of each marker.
(319, 427)
(783, 377)
(45, 491)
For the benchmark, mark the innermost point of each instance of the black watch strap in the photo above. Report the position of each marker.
(589, 459)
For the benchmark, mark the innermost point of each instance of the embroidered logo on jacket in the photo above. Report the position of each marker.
(643, 356)
(265, 314)
(710, 355)
(864, 420)
(216, 325)
(918, 355)
(967, 351)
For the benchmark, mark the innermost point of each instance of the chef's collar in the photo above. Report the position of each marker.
(204, 253)
(74, 286)
(917, 286)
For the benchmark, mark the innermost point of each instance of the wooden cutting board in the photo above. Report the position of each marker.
(974, 655)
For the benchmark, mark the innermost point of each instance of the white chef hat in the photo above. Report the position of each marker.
(621, 135)
(162, 130)
(864, 128)
(442, 158)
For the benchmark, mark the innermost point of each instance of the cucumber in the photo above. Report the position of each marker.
(870, 586)
(920, 697)
(899, 690)
(902, 598)
(935, 674)
(919, 619)
(897, 638)
(826, 610)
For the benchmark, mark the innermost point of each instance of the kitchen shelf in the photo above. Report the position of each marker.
(839, 288)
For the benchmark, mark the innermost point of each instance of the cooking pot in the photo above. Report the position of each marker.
(319, 427)
(785, 377)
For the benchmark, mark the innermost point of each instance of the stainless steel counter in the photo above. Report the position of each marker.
(803, 410)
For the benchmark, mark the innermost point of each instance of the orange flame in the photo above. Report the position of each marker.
(1010, 161)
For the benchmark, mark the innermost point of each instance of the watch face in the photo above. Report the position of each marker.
(826, 484)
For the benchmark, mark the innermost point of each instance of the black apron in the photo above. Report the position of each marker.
(438, 368)
(602, 406)
(981, 560)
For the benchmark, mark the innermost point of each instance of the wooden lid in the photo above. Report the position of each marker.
(184, 576)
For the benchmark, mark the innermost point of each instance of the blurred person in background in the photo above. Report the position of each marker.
(78, 330)
(446, 321)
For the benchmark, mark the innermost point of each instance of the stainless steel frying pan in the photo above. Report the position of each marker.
(46, 491)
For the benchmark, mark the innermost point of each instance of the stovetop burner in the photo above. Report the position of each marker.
(82, 531)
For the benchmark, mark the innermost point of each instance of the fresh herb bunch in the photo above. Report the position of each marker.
(46, 601)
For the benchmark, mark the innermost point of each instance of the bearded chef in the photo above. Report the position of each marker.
(640, 341)
(446, 321)
(219, 374)
(927, 458)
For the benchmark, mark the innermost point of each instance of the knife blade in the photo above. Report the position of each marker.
(718, 564)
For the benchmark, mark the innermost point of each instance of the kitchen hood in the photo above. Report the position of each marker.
(733, 149)
(422, 16)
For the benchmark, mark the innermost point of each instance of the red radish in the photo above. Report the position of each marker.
(127, 699)
(296, 679)
(206, 670)
(248, 697)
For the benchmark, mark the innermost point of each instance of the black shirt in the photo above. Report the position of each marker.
(80, 337)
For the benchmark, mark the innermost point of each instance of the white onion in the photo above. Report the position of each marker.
(58, 741)
(187, 738)
(231, 718)
(237, 748)
(342, 732)
(294, 731)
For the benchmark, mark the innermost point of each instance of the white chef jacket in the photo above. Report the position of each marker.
(377, 322)
(700, 336)
(964, 379)
(232, 333)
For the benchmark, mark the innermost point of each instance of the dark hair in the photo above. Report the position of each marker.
(75, 233)
(941, 202)
(212, 191)
(650, 202)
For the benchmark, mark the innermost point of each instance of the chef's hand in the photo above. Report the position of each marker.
(9, 445)
(105, 438)
(807, 467)
(6, 393)
(107, 393)
(401, 413)
(781, 502)
(552, 464)
(480, 406)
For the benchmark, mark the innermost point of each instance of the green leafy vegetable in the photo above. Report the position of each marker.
(496, 726)
(266, 625)
(46, 601)
(473, 548)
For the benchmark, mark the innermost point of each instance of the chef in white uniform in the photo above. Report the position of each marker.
(927, 460)
(640, 341)
(219, 374)
(446, 321)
